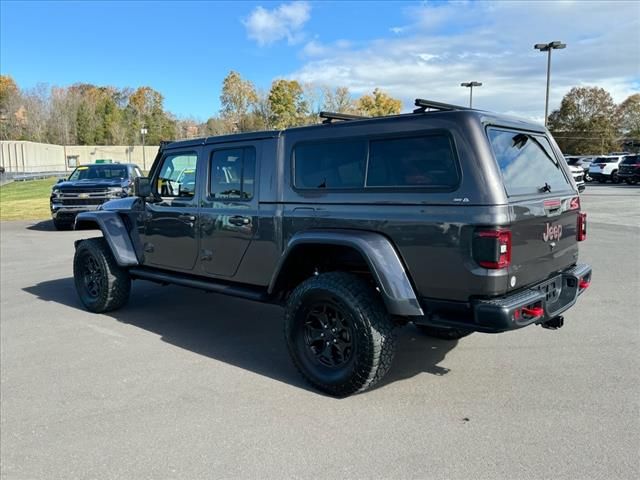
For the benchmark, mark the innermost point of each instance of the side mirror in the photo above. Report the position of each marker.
(142, 187)
(60, 180)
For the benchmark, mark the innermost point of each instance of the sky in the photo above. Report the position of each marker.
(408, 49)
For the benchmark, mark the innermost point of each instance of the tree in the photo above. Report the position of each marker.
(288, 107)
(338, 100)
(146, 109)
(629, 116)
(585, 122)
(237, 98)
(10, 102)
(378, 104)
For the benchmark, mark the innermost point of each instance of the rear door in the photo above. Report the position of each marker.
(229, 210)
(543, 203)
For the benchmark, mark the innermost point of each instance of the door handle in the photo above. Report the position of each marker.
(187, 218)
(239, 221)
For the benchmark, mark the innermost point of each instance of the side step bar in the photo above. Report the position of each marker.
(255, 294)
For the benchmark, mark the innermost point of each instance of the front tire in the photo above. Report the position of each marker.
(101, 283)
(60, 225)
(339, 334)
(444, 333)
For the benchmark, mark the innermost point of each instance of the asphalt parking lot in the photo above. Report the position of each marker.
(185, 384)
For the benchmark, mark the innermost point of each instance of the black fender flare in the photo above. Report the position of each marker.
(115, 232)
(381, 256)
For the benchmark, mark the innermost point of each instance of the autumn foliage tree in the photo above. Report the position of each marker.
(378, 104)
(586, 121)
(628, 114)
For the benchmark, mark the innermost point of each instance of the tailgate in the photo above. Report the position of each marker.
(543, 238)
(543, 205)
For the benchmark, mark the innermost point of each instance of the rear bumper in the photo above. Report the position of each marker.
(536, 304)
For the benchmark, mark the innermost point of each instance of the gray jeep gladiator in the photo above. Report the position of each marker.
(453, 219)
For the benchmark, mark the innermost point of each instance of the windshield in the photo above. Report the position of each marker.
(99, 172)
(606, 160)
(527, 162)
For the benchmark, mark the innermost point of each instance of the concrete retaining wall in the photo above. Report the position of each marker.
(19, 156)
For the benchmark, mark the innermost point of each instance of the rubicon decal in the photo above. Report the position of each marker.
(552, 232)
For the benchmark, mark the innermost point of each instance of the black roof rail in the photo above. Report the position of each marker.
(423, 105)
(329, 117)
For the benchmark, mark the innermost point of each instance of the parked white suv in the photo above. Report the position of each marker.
(578, 176)
(606, 168)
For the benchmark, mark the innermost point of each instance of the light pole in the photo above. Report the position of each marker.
(143, 132)
(547, 47)
(470, 86)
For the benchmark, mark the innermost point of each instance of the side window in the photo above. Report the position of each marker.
(330, 164)
(232, 174)
(412, 162)
(177, 176)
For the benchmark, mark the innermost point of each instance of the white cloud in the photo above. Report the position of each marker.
(283, 22)
(445, 44)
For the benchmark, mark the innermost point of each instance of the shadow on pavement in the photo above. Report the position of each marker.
(235, 331)
(42, 226)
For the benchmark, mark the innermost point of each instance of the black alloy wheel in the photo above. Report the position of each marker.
(327, 335)
(92, 275)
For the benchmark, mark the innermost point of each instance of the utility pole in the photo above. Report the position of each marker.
(547, 47)
(470, 86)
(143, 132)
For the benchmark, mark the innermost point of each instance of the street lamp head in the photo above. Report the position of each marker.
(471, 84)
(545, 47)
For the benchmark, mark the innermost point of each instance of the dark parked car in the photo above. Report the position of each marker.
(88, 187)
(453, 219)
(630, 169)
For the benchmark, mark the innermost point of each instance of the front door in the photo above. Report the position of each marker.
(170, 237)
(229, 215)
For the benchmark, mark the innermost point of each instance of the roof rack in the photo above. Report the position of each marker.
(329, 117)
(424, 105)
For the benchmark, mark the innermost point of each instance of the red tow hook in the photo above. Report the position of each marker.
(534, 312)
(583, 284)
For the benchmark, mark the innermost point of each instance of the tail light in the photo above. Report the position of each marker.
(492, 248)
(574, 203)
(581, 232)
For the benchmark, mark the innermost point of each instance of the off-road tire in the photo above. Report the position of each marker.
(60, 225)
(113, 283)
(371, 334)
(444, 333)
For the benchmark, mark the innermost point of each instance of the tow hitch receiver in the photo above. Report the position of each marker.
(554, 323)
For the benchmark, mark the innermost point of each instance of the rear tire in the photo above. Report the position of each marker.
(631, 181)
(614, 177)
(101, 283)
(444, 333)
(339, 334)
